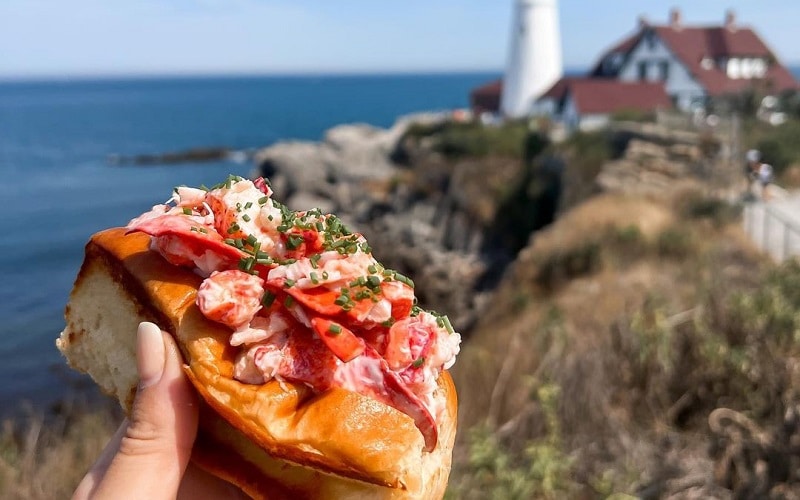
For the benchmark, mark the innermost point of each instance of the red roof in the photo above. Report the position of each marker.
(559, 88)
(600, 96)
(692, 44)
(622, 47)
(486, 97)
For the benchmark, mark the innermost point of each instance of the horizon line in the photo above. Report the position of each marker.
(156, 75)
(63, 77)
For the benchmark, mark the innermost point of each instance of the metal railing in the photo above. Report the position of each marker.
(772, 231)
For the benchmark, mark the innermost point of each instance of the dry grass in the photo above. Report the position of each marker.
(632, 309)
(45, 458)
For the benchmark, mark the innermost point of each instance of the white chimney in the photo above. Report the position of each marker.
(534, 60)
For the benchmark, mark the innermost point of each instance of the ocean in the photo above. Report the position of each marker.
(58, 187)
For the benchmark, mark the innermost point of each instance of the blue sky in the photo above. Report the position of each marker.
(40, 38)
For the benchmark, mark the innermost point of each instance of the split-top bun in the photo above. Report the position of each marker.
(273, 440)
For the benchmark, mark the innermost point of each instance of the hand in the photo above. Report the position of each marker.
(148, 457)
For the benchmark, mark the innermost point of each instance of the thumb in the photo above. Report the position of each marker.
(157, 443)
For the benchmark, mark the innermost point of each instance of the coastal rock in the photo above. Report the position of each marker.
(420, 223)
(655, 162)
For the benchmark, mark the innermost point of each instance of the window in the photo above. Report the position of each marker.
(759, 68)
(734, 68)
(664, 67)
(650, 39)
(642, 70)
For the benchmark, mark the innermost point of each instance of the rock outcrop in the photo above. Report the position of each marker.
(421, 227)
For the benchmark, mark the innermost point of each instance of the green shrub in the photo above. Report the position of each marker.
(633, 115)
(541, 470)
(778, 144)
(628, 235)
(473, 139)
(570, 263)
(676, 242)
(720, 212)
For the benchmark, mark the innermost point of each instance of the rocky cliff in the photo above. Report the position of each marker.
(439, 204)
(423, 216)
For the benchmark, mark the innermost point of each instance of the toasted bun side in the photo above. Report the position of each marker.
(327, 445)
(303, 482)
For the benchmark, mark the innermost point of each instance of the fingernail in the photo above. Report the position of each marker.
(150, 355)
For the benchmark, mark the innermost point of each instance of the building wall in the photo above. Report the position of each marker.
(545, 106)
(594, 122)
(654, 55)
(569, 114)
(573, 120)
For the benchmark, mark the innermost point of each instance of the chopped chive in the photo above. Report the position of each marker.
(288, 301)
(187, 211)
(404, 279)
(373, 282)
(334, 329)
(288, 283)
(268, 298)
(324, 275)
(388, 323)
(293, 241)
(419, 362)
(447, 325)
(314, 259)
(248, 205)
(251, 240)
(246, 218)
(314, 278)
(263, 200)
(372, 269)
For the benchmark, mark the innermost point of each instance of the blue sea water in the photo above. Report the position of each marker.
(57, 188)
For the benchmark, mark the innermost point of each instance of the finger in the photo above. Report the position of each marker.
(198, 483)
(86, 488)
(154, 450)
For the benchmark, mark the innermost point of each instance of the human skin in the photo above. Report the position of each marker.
(148, 456)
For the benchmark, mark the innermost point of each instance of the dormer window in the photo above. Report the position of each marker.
(734, 68)
(650, 40)
(746, 68)
(642, 70)
(707, 63)
(758, 68)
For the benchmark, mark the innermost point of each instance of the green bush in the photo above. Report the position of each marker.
(570, 263)
(541, 470)
(633, 115)
(473, 139)
(720, 212)
(676, 242)
(779, 145)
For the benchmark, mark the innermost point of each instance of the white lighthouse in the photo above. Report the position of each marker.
(534, 59)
